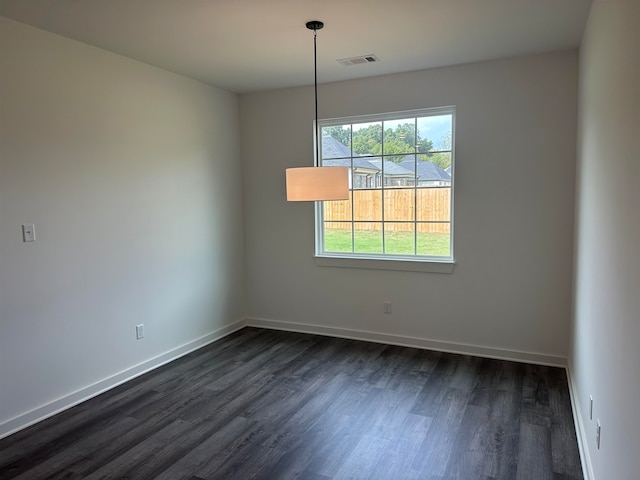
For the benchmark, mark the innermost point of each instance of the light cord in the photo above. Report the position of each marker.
(315, 83)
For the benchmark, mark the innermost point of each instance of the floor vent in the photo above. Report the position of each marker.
(361, 60)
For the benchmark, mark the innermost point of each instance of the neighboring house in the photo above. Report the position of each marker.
(332, 148)
(395, 175)
(365, 173)
(429, 174)
(368, 171)
(337, 154)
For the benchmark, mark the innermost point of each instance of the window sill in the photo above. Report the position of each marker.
(406, 265)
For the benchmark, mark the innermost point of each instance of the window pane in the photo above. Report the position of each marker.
(367, 205)
(434, 239)
(367, 237)
(434, 133)
(440, 160)
(336, 143)
(399, 136)
(398, 170)
(434, 169)
(338, 210)
(337, 237)
(399, 204)
(367, 139)
(366, 174)
(433, 204)
(399, 238)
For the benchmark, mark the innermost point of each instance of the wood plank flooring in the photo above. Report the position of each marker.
(263, 404)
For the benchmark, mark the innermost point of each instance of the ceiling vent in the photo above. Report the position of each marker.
(361, 60)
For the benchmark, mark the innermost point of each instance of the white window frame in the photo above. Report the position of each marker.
(418, 263)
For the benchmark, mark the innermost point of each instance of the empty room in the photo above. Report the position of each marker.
(297, 239)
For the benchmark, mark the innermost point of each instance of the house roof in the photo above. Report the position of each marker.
(427, 171)
(332, 148)
(346, 162)
(392, 168)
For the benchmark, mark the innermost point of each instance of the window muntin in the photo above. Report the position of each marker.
(401, 186)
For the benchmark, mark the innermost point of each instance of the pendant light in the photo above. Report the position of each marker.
(317, 183)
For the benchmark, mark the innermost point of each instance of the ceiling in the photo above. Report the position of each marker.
(251, 45)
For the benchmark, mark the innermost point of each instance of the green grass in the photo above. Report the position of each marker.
(401, 243)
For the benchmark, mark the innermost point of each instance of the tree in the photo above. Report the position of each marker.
(368, 140)
(446, 141)
(442, 160)
(400, 140)
(425, 146)
(343, 135)
(405, 133)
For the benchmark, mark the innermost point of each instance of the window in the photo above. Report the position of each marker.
(401, 187)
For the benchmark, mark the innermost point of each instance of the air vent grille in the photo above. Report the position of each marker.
(361, 60)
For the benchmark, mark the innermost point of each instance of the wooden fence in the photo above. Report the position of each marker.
(400, 205)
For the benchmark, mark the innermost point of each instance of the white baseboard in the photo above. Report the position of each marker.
(424, 343)
(581, 433)
(63, 403)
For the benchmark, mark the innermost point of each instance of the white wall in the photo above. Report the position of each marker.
(132, 177)
(516, 136)
(606, 339)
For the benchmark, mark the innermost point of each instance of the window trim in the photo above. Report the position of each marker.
(370, 263)
(417, 263)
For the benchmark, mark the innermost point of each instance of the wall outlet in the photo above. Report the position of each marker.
(598, 435)
(387, 308)
(590, 407)
(139, 331)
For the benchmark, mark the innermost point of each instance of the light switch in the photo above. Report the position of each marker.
(29, 233)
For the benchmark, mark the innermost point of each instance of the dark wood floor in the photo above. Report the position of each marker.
(264, 404)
